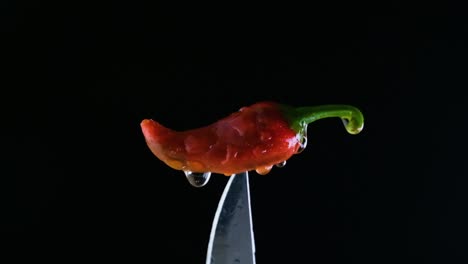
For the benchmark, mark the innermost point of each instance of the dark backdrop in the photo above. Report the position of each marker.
(80, 78)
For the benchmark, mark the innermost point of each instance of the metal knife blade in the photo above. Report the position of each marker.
(232, 238)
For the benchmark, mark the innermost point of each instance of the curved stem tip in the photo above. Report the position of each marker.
(352, 117)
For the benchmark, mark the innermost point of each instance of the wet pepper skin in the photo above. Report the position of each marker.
(254, 138)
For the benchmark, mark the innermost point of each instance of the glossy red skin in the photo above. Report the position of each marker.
(254, 138)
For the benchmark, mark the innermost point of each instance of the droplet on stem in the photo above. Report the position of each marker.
(197, 179)
(345, 121)
(302, 144)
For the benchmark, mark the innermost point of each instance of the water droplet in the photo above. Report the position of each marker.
(345, 121)
(281, 164)
(197, 179)
(263, 170)
(302, 144)
(265, 136)
(259, 151)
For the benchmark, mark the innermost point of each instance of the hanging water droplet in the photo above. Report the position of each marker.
(263, 170)
(197, 179)
(345, 121)
(302, 144)
(281, 164)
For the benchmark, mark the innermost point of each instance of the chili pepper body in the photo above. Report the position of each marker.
(254, 138)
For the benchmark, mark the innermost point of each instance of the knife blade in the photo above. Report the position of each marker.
(232, 238)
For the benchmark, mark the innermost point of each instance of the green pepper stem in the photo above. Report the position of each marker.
(300, 117)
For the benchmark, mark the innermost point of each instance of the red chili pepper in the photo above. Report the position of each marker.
(254, 138)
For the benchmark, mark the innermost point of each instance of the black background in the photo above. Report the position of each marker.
(79, 79)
